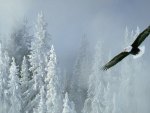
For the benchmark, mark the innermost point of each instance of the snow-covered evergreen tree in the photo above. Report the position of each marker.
(26, 83)
(99, 98)
(98, 105)
(94, 79)
(25, 76)
(68, 107)
(101, 101)
(4, 78)
(38, 57)
(14, 89)
(54, 94)
(81, 72)
(108, 99)
(40, 47)
(6, 66)
(42, 108)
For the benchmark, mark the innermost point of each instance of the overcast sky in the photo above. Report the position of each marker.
(68, 20)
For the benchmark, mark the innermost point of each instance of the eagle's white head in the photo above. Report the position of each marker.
(128, 49)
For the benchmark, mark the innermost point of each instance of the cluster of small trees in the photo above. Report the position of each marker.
(33, 85)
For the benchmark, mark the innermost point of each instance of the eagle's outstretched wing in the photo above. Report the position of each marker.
(115, 60)
(141, 37)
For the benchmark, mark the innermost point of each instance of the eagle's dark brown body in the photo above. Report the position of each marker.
(134, 51)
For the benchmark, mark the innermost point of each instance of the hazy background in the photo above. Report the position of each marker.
(69, 20)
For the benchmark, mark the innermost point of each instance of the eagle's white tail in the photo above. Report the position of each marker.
(142, 51)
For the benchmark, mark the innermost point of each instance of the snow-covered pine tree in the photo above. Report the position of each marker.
(14, 89)
(4, 78)
(99, 98)
(81, 72)
(54, 93)
(98, 105)
(26, 82)
(25, 76)
(38, 57)
(108, 99)
(94, 79)
(6, 66)
(42, 108)
(102, 101)
(68, 106)
(40, 47)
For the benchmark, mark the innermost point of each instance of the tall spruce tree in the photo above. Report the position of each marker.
(42, 108)
(99, 99)
(54, 94)
(38, 57)
(26, 85)
(81, 72)
(25, 76)
(94, 80)
(68, 106)
(4, 78)
(40, 47)
(14, 89)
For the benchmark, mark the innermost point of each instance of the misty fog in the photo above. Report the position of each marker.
(68, 22)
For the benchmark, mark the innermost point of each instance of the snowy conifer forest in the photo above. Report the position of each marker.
(51, 59)
(31, 80)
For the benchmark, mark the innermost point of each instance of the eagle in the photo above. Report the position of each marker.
(133, 49)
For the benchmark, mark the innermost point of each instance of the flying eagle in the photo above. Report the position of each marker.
(133, 49)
